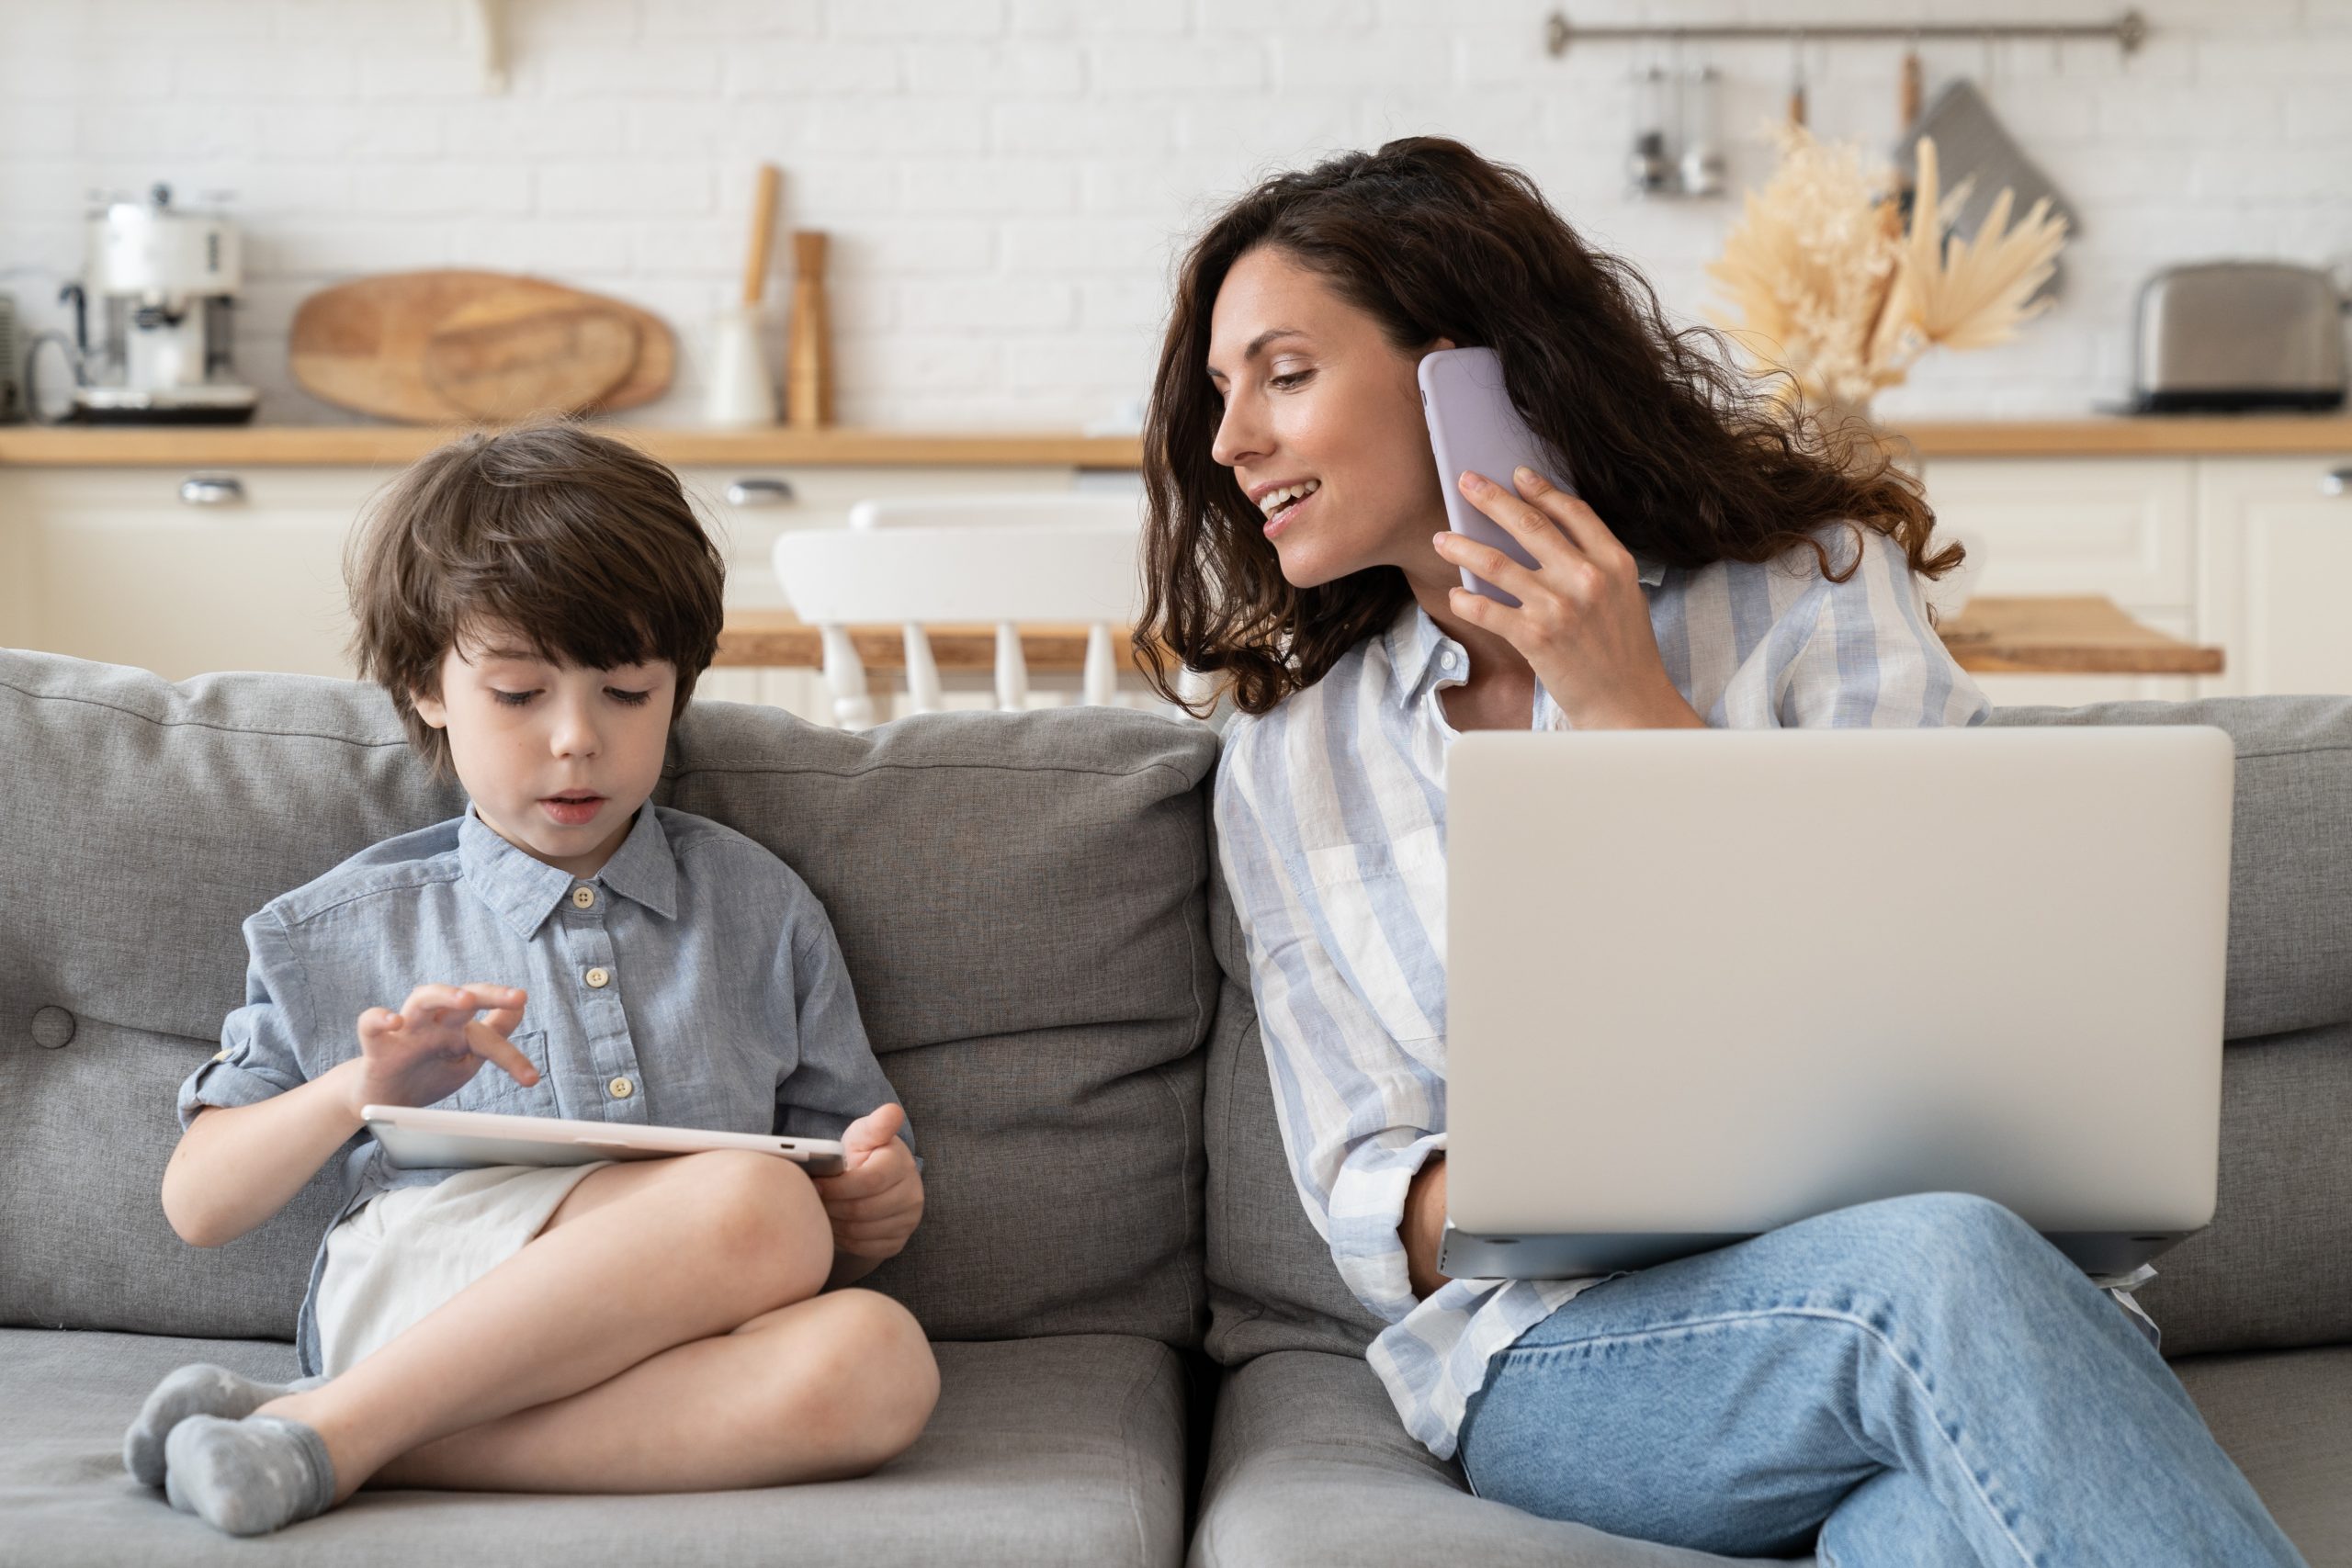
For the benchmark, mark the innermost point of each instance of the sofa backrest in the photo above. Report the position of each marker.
(1021, 900)
(2275, 1269)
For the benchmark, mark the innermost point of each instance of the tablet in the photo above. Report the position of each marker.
(418, 1137)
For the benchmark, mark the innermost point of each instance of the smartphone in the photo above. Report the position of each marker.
(1473, 426)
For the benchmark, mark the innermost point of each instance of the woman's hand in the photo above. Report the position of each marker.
(876, 1201)
(434, 1045)
(1423, 1227)
(1583, 623)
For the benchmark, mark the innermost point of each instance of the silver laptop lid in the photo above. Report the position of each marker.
(1717, 981)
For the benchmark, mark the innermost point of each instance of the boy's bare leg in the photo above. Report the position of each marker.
(675, 1251)
(820, 1390)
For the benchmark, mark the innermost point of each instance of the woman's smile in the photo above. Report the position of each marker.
(1282, 516)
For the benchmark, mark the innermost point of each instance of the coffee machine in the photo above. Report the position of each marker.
(161, 281)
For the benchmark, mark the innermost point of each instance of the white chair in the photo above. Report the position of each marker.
(1054, 509)
(1007, 573)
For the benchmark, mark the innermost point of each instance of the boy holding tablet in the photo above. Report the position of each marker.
(539, 603)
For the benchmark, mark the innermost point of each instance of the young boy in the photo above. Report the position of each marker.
(539, 604)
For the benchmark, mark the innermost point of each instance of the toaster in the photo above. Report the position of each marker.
(2238, 334)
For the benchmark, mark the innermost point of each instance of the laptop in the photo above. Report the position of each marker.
(1704, 983)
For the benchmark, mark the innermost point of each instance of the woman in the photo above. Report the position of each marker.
(1921, 1380)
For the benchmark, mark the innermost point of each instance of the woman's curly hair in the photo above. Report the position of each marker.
(1688, 459)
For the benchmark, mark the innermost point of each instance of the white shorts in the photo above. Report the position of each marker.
(402, 1253)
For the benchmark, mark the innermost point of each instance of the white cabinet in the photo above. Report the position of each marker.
(183, 571)
(2121, 527)
(2124, 527)
(2275, 572)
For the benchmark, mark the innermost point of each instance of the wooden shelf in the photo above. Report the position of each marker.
(392, 445)
(2008, 636)
(389, 446)
(2165, 435)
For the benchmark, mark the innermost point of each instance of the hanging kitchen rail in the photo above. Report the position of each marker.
(2129, 31)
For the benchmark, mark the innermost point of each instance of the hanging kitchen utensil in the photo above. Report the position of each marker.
(1649, 168)
(1971, 143)
(1700, 165)
(741, 391)
(1907, 82)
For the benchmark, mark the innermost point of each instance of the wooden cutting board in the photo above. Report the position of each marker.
(439, 347)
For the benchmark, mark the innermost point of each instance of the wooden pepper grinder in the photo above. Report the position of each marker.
(809, 349)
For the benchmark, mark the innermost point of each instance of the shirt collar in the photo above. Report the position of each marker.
(524, 890)
(1418, 650)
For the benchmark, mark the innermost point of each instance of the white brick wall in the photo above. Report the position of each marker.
(1009, 182)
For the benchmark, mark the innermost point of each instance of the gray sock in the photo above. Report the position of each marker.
(199, 1390)
(247, 1477)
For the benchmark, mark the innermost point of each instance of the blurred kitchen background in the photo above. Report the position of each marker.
(1003, 187)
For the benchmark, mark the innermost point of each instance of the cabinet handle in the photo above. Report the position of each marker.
(212, 489)
(760, 493)
(2335, 481)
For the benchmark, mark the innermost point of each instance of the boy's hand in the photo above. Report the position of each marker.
(876, 1201)
(434, 1045)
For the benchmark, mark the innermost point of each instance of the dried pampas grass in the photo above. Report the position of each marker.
(1835, 297)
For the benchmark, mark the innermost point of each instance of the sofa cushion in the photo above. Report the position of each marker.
(1020, 899)
(2290, 860)
(2273, 1270)
(2287, 1420)
(1056, 1450)
(1307, 1464)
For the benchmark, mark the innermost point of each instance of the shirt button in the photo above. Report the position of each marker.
(598, 979)
(620, 1088)
(1446, 662)
(584, 897)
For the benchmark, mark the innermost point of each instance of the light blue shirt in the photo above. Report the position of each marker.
(1330, 818)
(694, 981)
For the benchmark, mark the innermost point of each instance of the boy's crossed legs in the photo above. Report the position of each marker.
(663, 1332)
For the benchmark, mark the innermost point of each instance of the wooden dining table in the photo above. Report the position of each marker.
(2086, 635)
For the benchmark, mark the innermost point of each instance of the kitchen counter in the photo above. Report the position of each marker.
(389, 444)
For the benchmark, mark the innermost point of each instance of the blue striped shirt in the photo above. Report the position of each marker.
(1330, 818)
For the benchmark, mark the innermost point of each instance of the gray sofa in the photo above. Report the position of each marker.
(1145, 1353)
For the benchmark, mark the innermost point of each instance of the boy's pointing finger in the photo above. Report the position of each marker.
(493, 1046)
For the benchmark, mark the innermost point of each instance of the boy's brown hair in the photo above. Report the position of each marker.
(581, 544)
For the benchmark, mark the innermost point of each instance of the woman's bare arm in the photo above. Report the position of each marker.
(238, 1165)
(1423, 1225)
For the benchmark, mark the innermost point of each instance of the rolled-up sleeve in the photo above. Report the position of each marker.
(1360, 1113)
(260, 1042)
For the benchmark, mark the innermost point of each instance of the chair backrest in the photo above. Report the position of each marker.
(1022, 571)
(1079, 509)
(1000, 574)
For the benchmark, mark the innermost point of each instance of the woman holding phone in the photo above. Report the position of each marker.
(1921, 1380)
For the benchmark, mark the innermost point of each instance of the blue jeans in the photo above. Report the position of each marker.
(1922, 1380)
